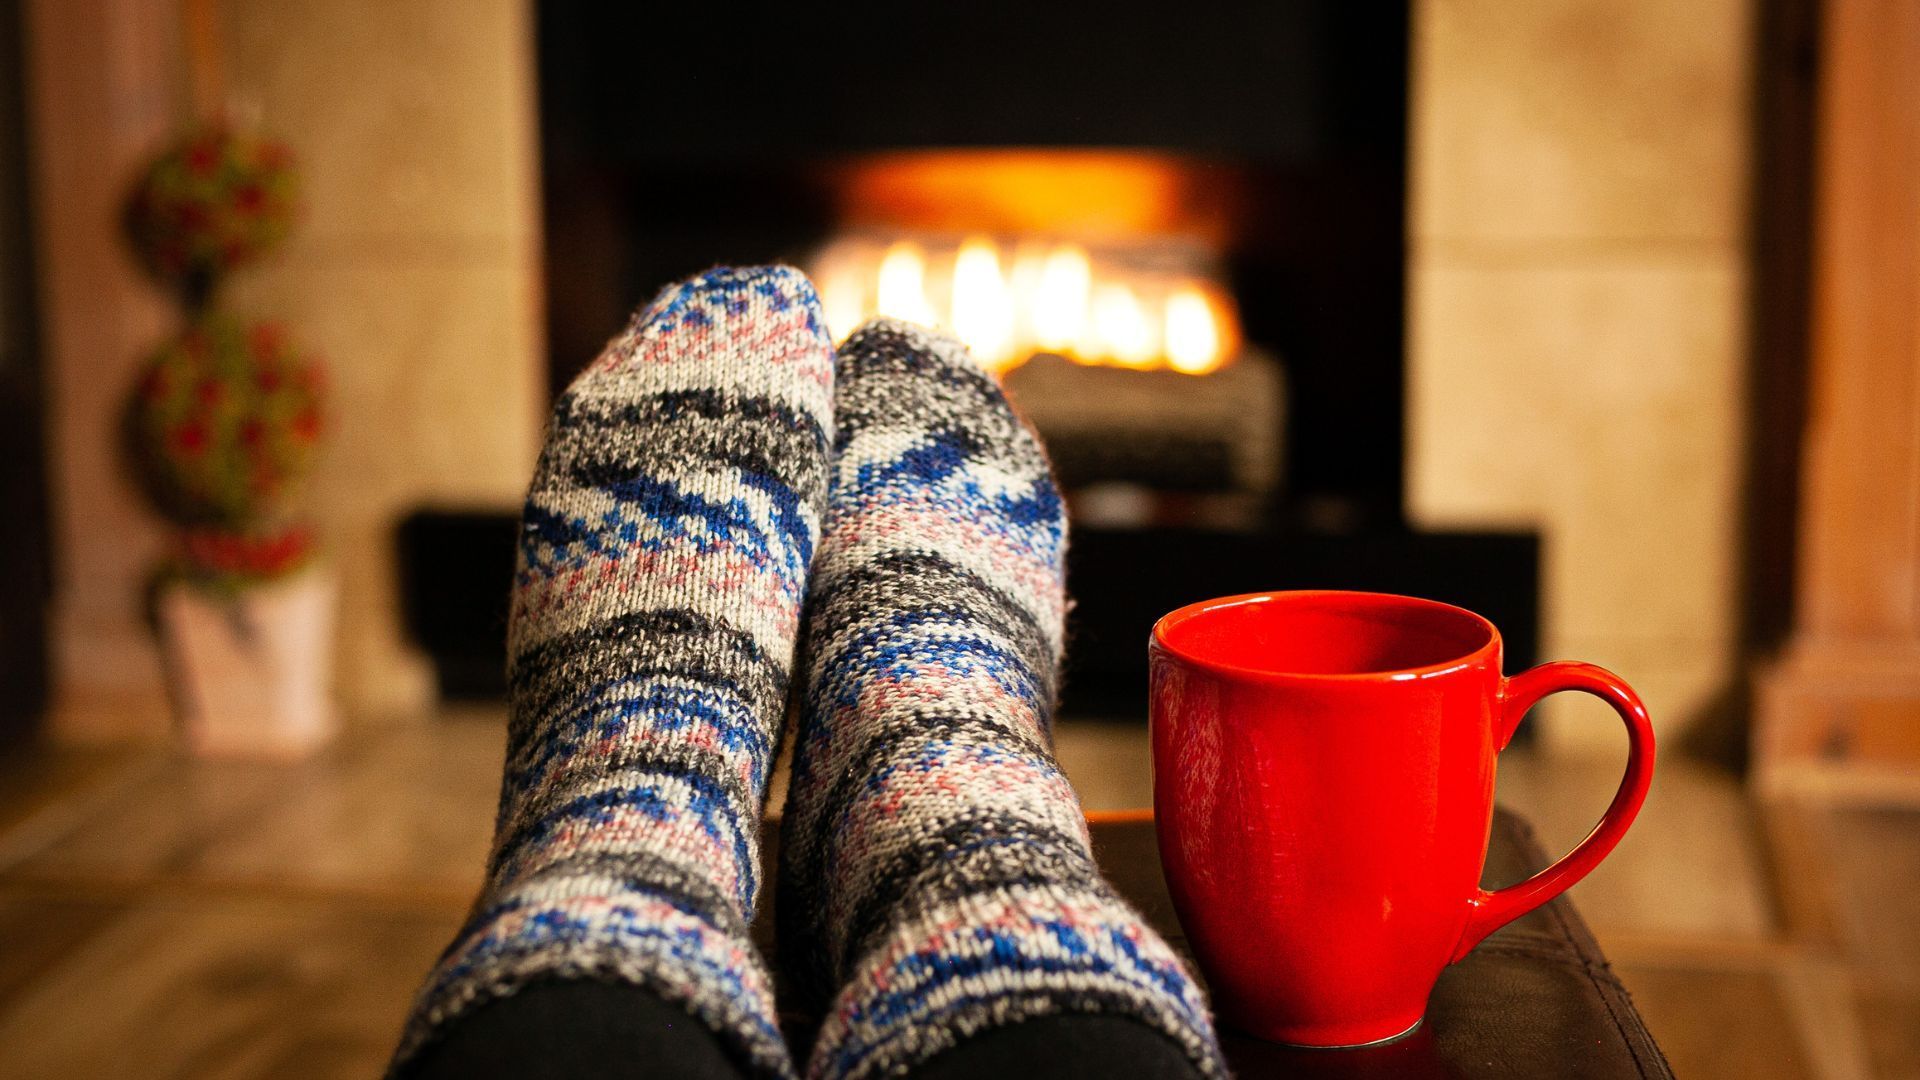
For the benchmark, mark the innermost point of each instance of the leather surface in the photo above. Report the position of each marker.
(1537, 999)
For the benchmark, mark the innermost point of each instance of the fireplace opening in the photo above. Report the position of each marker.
(1180, 244)
(1261, 149)
(1105, 258)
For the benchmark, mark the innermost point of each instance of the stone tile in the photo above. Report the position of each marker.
(1681, 681)
(437, 395)
(410, 119)
(1108, 762)
(1580, 120)
(1644, 534)
(1890, 1027)
(1597, 400)
(382, 674)
(41, 929)
(231, 988)
(406, 811)
(1827, 1014)
(435, 380)
(1848, 873)
(163, 824)
(1874, 856)
(1691, 864)
(1517, 362)
(42, 787)
(1717, 1023)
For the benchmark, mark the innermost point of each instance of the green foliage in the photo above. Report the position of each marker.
(216, 201)
(225, 424)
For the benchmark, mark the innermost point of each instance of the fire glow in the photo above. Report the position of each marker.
(1010, 301)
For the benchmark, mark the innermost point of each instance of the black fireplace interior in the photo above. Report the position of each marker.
(673, 139)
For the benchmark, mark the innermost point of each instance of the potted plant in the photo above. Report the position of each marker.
(224, 426)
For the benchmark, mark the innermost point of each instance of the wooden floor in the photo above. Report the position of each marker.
(166, 918)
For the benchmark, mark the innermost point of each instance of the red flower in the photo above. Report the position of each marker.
(250, 432)
(203, 156)
(240, 553)
(249, 198)
(191, 437)
(265, 339)
(263, 483)
(306, 426)
(208, 392)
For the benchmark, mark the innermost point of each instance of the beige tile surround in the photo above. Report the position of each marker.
(415, 275)
(1575, 310)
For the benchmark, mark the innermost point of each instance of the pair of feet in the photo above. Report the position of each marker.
(936, 880)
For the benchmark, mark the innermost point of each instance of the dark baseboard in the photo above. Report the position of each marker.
(456, 568)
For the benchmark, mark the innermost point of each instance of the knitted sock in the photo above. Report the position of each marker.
(935, 862)
(663, 560)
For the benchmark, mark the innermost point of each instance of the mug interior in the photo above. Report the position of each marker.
(1326, 633)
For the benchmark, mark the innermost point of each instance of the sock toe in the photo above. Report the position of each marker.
(729, 290)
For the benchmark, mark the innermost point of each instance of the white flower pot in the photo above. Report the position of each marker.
(252, 674)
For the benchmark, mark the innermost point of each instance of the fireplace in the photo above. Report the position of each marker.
(1175, 232)
(1257, 151)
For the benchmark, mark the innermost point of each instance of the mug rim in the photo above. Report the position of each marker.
(1487, 653)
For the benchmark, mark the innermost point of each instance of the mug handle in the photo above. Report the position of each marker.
(1489, 911)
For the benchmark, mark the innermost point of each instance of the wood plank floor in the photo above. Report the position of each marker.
(161, 917)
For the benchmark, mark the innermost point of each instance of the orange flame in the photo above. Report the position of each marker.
(1060, 299)
(1054, 297)
(902, 291)
(1193, 332)
(1121, 331)
(982, 304)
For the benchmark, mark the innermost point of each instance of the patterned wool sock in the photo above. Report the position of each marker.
(935, 861)
(663, 560)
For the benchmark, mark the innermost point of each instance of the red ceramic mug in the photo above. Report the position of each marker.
(1323, 793)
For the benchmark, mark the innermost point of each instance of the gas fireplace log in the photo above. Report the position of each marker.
(1219, 432)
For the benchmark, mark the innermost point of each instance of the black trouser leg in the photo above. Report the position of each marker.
(577, 1030)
